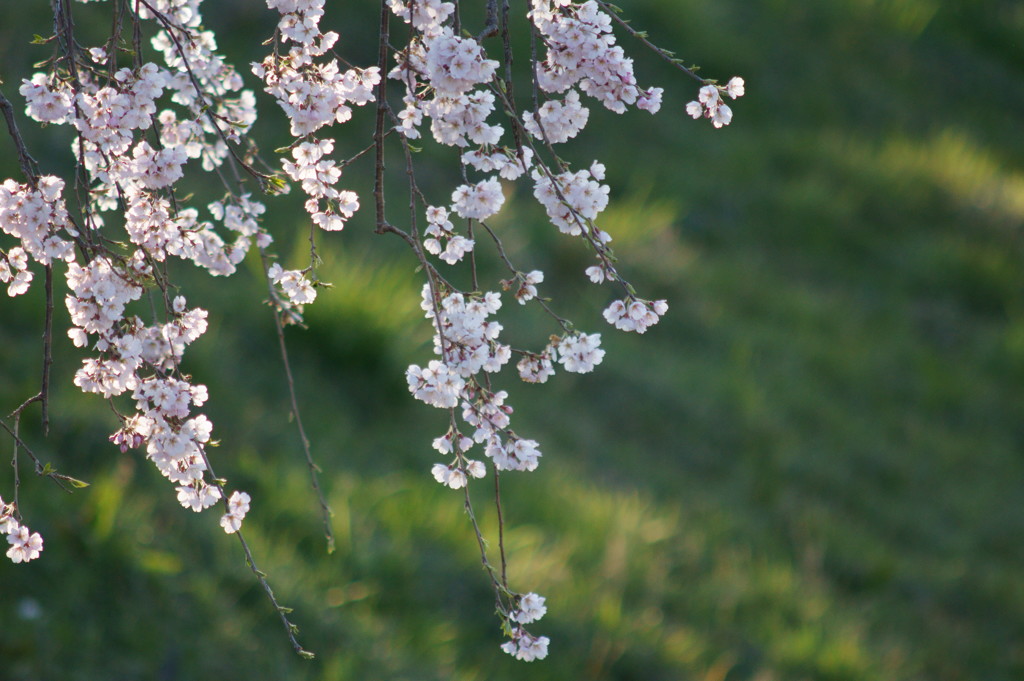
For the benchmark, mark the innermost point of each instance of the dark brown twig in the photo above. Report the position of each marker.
(27, 164)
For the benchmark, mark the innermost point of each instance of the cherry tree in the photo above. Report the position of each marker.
(157, 102)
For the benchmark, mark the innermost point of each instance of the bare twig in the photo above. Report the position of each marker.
(563, 322)
(378, 133)
(44, 391)
(25, 161)
(314, 470)
(501, 528)
(40, 468)
(491, 22)
(261, 576)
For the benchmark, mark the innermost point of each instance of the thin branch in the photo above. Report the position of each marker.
(491, 23)
(378, 133)
(313, 468)
(39, 467)
(47, 350)
(563, 322)
(261, 576)
(491, 572)
(642, 37)
(501, 528)
(14, 465)
(25, 161)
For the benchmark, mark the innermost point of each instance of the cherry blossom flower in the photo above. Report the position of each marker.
(531, 609)
(526, 647)
(25, 546)
(238, 507)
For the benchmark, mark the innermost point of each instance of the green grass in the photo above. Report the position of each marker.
(811, 469)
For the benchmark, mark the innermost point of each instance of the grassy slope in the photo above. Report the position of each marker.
(809, 470)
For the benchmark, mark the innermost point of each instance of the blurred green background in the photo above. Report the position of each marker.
(811, 469)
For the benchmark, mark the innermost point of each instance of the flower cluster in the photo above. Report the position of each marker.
(465, 339)
(635, 315)
(38, 219)
(435, 384)
(523, 645)
(534, 368)
(314, 94)
(422, 14)
(456, 476)
(531, 608)
(581, 50)
(25, 545)
(238, 506)
(328, 207)
(14, 271)
(311, 94)
(139, 130)
(457, 473)
(456, 120)
(556, 122)
(478, 201)
(580, 353)
(293, 283)
(454, 64)
(510, 164)
(709, 102)
(515, 454)
(573, 200)
(487, 412)
(44, 102)
(198, 499)
(525, 285)
(439, 228)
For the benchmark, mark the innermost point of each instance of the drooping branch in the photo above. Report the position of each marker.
(25, 161)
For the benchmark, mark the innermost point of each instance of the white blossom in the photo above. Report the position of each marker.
(531, 608)
(580, 353)
(526, 647)
(635, 315)
(25, 545)
(238, 507)
(478, 201)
